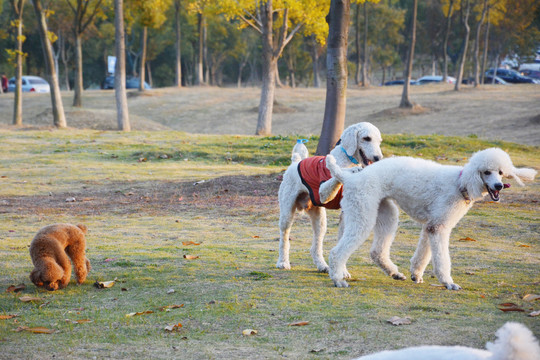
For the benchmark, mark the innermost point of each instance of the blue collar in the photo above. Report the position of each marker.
(353, 160)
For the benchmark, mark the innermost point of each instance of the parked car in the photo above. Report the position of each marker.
(531, 73)
(487, 80)
(434, 79)
(30, 84)
(131, 83)
(398, 82)
(512, 76)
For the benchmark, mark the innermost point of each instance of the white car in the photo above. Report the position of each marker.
(434, 79)
(30, 84)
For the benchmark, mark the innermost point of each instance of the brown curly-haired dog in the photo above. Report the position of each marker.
(50, 249)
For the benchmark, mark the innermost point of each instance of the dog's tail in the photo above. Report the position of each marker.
(335, 170)
(514, 342)
(299, 151)
(520, 174)
(82, 227)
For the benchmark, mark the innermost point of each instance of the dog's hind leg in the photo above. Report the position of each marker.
(286, 218)
(76, 252)
(384, 233)
(421, 257)
(318, 223)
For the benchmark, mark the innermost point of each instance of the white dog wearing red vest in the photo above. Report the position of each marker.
(514, 342)
(437, 196)
(301, 188)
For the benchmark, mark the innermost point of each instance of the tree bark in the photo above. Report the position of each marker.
(357, 78)
(405, 102)
(477, 45)
(315, 62)
(199, 70)
(18, 7)
(465, 21)
(365, 81)
(484, 58)
(78, 86)
(336, 86)
(59, 118)
(178, 65)
(122, 114)
(445, 43)
(142, 63)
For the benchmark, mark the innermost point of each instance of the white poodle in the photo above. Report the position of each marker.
(304, 187)
(435, 195)
(514, 342)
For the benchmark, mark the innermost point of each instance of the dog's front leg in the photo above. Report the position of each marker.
(318, 223)
(439, 238)
(328, 190)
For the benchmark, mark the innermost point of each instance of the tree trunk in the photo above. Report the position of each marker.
(206, 65)
(484, 57)
(241, 67)
(78, 86)
(336, 85)
(59, 118)
(477, 45)
(315, 62)
(405, 102)
(149, 72)
(199, 71)
(365, 81)
(64, 57)
(465, 21)
(445, 43)
(18, 8)
(178, 65)
(142, 64)
(269, 66)
(122, 113)
(357, 78)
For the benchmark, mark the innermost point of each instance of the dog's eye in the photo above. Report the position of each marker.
(367, 138)
(500, 172)
(487, 172)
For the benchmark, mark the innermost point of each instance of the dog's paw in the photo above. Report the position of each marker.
(453, 286)
(399, 276)
(347, 275)
(285, 265)
(323, 268)
(341, 284)
(417, 279)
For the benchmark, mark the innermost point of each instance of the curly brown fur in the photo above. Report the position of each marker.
(49, 251)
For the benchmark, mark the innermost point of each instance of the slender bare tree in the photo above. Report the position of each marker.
(465, 21)
(18, 7)
(445, 42)
(122, 113)
(405, 102)
(477, 44)
(178, 65)
(336, 78)
(59, 117)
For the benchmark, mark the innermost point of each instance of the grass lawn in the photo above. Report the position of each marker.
(146, 195)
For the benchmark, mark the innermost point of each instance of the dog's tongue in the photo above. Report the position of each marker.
(506, 186)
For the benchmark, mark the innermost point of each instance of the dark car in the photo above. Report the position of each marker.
(131, 83)
(398, 82)
(511, 76)
(531, 73)
(487, 80)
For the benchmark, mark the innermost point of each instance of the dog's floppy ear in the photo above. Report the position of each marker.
(82, 227)
(349, 140)
(471, 181)
(520, 174)
(35, 277)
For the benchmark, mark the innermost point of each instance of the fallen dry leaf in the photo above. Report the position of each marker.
(169, 307)
(28, 298)
(173, 327)
(104, 284)
(534, 313)
(5, 317)
(396, 320)
(467, 239)
(249, 332)
(299, 323)
(191, 257)
(13, 288)
(256, 236)
(36, 330)
(506, 307)
(187, 243)
(531, 297)
(523, 245)
(81, 321)
(139, 313)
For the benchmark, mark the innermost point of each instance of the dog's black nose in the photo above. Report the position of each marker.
(498, 186)
(376, 158)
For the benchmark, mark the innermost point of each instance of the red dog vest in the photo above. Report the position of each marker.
(313, 173)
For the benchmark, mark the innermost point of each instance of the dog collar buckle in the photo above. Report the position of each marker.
(351, 159)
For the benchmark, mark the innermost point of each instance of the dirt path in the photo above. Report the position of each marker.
(509, 113)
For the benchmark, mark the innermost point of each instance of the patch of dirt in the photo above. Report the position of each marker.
(227, 193)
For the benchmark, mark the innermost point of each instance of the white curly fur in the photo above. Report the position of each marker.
(514, 342)
(294, 196)
(435, 195)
